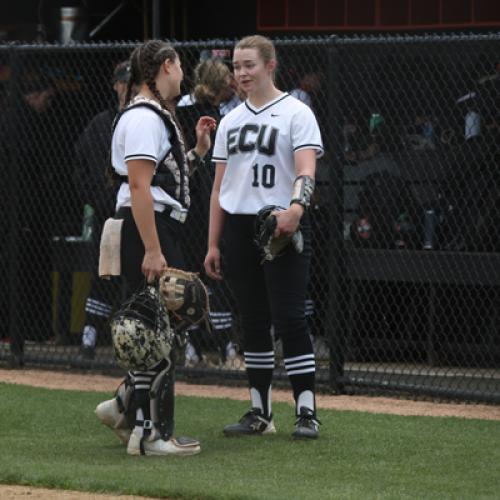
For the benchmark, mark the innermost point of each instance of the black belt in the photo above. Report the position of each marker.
(169, 211)
(158, 179)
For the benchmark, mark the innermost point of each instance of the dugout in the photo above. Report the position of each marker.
(71, 281)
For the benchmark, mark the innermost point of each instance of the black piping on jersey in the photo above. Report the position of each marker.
(140, 156)
(267, 107)
(312, 146)
(163, 178)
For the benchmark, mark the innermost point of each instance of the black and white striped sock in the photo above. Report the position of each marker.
(142, 381)
(260, 366)
(301, 370)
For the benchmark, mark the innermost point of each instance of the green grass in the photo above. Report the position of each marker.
(51, 438)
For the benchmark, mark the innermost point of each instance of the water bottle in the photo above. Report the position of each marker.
(376, 119)
(88, 222)
(428, 133)
(430, 224)
(405, 231)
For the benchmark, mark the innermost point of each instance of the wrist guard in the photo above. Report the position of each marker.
(303, 188)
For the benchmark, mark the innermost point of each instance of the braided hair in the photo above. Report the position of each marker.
(145, 62)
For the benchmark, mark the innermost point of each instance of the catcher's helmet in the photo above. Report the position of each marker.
(141, 331)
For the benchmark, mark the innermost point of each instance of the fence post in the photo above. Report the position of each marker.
(16, 336)
(156, 19)
(335, 326)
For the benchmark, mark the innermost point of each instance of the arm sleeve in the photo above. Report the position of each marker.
(305, 131)
(220, 148)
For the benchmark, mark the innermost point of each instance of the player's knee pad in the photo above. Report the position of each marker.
(162, 402)
(127, 404)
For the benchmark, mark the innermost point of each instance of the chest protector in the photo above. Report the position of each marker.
(172, 172)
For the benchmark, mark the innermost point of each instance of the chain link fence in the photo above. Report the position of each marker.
(404, 293)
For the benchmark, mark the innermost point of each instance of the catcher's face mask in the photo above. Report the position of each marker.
(141, 332)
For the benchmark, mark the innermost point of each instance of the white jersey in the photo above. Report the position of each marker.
(140, 134)
(258, 146)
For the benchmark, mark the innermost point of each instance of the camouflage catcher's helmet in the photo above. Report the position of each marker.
(141, 332)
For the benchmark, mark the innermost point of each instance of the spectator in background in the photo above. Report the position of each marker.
(422, 133)
(92, 158)
(308, 85)
(234, 98)
(29, 138)
(359, 141)
(472, 124)
(227, 101)
(213, 87)
(491, 77)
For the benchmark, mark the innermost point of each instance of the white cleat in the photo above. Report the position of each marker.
(109, 414)
(174, 446)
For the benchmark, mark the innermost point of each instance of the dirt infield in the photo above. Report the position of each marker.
(8, 492)
(91, 382)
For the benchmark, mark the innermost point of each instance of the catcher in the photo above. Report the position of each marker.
(149, 162)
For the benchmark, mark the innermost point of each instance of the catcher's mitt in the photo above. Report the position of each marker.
(185, 296)
(272, 247)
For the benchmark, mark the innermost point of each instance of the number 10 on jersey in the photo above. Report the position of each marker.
(263, 176)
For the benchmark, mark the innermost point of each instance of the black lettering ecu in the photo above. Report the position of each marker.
(252, 136)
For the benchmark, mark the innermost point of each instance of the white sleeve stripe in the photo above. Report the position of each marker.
(218, 158)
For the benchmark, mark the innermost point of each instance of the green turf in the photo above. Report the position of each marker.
(51, 438)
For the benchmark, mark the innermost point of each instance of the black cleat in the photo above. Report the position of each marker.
(307, 425)
(252, 423)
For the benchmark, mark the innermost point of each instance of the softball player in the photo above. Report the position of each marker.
(265, 153)
(213, 85)
(92, 158)
(148, 158)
